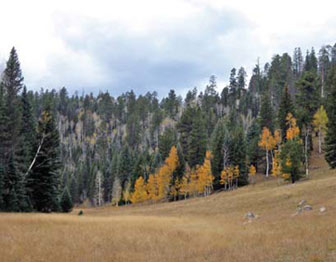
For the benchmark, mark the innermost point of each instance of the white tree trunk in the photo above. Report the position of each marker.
(306, 152)
(37, 152)
(267, 163)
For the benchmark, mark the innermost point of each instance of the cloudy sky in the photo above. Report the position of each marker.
(157, 45)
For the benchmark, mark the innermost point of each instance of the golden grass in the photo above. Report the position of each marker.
(203, 229)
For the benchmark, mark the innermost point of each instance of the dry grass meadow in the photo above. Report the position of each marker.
(202, 229)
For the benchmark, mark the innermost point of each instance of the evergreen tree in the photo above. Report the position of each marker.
(12, 82)
(66, 201)
(166, 141)
(266, 112)
(125, 165)
(220, 145)
(44, 180)
(286, 106)
(330, 140)
(238, 154)
(28, 133)
(197, 140)
(184, 127)
(307, 103)
(2, 175)
(253, 151)
(74, 191)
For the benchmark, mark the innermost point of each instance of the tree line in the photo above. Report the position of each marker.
(58, 148)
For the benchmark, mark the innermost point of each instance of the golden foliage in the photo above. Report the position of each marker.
(276, 171)
(320, 120)
(293, 131)
(252, 170)
(140, 193)
(267, 141)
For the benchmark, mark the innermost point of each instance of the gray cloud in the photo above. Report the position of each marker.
(173, 55)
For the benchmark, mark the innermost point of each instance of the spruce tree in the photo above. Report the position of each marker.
(330, 140)
(254, 154)
(220, 145)
(12, 82)
(2, 175)
(27, 140)
(266, 112)
(238, 154)
(66, 201)
(74, 192)
(44, 180)
(197, 141)
(307, 103)
(166, 141)
(16, 199)
(10, 135)
(286, 106)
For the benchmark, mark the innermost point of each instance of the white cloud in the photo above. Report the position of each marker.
(55, 45)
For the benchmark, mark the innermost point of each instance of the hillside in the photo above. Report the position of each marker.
(202, 229)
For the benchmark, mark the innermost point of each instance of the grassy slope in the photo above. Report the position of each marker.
(203, 229)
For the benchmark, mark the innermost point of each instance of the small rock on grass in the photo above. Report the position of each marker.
(307, 208)
(250, 215)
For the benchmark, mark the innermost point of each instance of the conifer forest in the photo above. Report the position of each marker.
(59, 149)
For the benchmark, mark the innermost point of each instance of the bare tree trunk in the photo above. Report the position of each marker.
(267, 163)
(322, 80)
(306, 152)
(35, 157)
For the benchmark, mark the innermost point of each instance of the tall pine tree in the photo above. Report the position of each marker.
(330, 140)
(44, 180)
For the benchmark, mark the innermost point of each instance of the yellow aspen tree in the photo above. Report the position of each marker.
(201, 180)
(224, 178)
(207, 170)
(126, 193)
(320, 125)
(252, 173)
(230, 170)
(277, 138)
(266, 142)
(276, 170)
(166, 172)
(152, 188)
(184, 186)
(293, 131)
(140, 193)
(204, 175)
(193, 181)
(174, 189)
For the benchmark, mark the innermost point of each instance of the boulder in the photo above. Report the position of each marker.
(307, 208)
(250, 215)
(323, 209)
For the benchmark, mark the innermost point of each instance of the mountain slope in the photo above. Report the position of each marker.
(203, 229)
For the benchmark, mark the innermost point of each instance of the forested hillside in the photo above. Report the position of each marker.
(56, 147)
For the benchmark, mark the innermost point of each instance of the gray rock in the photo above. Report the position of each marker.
(250, 215)
(307, 208)
(302, 202)
(323, 209)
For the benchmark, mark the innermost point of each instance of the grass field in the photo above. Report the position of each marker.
(203, 229)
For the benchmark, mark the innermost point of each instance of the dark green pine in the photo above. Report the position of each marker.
(286, 107)
(66, 201)
(44, 180)
(330, 139)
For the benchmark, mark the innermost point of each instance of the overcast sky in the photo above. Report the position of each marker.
(153, 45)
